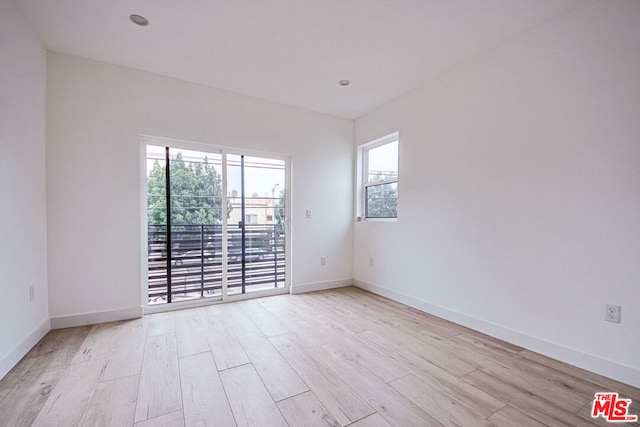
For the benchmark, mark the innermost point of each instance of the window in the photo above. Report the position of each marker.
(379, 160)
(251, 218)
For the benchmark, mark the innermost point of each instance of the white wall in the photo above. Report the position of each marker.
(96, 113)
(519, 210)
(23, 224)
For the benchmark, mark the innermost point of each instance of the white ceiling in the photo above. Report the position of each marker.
(289, 51)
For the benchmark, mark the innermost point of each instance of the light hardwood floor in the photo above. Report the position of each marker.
(342, 357)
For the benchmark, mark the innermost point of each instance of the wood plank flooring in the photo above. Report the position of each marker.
(341, 357)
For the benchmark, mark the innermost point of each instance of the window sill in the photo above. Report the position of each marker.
(363, 219)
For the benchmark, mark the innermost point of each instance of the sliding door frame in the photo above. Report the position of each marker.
(144, 235)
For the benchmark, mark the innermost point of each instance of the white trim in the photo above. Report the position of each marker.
(182, 305)
(320, 286)
(11, 359)
(144, 233)
(288, 232)
(373, 219)
(359, 189)
(96, 317)
(257, 294)
(209, 147)
(598, 365)
(225, 228)
(213, 300)
(393, 136)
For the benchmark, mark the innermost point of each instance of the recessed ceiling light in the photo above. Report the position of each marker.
(139, 20)
(344, 82)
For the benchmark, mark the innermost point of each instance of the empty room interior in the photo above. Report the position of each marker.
(331, 213)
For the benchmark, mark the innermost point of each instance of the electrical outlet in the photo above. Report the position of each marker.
(32, 293)
(612, 313)
(323, 261)
(370, 262)
(309, 213)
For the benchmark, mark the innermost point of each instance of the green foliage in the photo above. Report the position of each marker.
(196, 193)
(382, 200)
(280, 210)
(156, 192)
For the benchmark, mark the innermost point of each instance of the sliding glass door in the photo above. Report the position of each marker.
(215, 224)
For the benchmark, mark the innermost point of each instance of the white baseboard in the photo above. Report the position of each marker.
(607, 368)
(93, 318)
(321, 286)
(12, 358)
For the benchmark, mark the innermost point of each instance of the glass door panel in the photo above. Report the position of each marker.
(157, 278)
(256, 234)
(186, 263)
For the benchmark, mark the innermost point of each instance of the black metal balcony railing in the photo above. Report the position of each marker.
(196, 261)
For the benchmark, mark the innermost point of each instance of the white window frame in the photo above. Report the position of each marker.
(362, 171)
